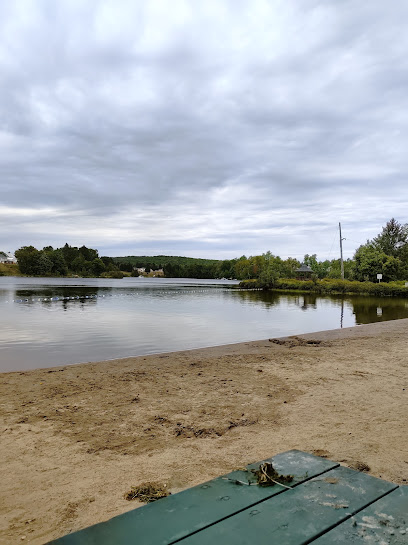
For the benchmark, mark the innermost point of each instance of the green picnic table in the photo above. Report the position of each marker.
(325, 503)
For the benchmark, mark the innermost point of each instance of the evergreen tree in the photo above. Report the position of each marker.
(392, 238)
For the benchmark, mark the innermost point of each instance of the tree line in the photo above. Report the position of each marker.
(68, 260)
(387, 254)
(172, 266)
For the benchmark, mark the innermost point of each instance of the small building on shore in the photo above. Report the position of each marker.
(7, 257)
(304, 272)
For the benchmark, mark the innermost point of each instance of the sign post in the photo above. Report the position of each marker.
(379, 277)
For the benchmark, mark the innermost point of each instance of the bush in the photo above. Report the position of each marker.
(326, 286)
(112, 274)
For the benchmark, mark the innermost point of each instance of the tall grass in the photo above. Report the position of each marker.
(327, 286)
(9, 269)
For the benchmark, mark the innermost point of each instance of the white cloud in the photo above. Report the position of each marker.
(208, 129)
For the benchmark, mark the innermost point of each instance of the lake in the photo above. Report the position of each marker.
(49, 321)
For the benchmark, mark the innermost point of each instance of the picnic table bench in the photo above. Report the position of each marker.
(324, 504)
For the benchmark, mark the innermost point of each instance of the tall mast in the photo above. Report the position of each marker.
(341, 253)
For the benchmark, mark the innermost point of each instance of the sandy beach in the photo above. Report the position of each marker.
(76, 438)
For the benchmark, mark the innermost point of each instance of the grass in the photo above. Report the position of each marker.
(9, 269)
(327, 286)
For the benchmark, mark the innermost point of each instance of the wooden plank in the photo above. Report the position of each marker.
(384, 522)
(175, 517)
(300, 515)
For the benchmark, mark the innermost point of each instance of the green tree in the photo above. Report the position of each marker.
(386, 254)
(97, 267)
(268, 276)
(289, 267)
(128, 267)
(89, 253)
(60, 261)
(59, 267)
(392, 238)
(43, 265)
(243, 268)
(33, 262)
(320, 268)
(171, 270)
(369, 262)
(225, 269)
(27, 258)
(334, 269)
(391, 268)
(69, 253)
(79, 265)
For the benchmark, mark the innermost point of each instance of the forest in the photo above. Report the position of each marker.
(385, 254)
(65, 261)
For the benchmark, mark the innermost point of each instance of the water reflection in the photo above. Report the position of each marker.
(49, 322)
(91, 294)
(303, 301)
(265, 298)
(366, 309)
(269, 299)
(63, 296)
(375, 309)
(306, 301)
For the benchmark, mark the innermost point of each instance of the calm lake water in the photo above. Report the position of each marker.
(47, 322)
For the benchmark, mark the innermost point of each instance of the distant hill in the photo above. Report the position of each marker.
(178, 266)
(160, 261)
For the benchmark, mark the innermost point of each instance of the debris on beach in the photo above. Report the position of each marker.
(291, 342)
(359, 466)
(191, 431)
(268, 476)
(241, 422)
(147, 492)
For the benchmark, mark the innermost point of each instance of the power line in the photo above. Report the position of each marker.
(331, 247)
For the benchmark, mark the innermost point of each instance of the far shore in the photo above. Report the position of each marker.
(76, 438)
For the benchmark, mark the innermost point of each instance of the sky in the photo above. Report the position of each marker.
(206, 129)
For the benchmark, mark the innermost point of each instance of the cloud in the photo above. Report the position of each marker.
(210, 129)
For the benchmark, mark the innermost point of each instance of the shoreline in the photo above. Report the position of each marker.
(323, 334)
(77, 437)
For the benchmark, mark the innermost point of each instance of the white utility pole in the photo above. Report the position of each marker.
(341, 253)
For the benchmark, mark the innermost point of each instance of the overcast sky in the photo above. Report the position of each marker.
(208, 128)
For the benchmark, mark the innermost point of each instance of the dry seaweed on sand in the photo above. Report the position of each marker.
(268, 476)
(147, 492)
(294, 341)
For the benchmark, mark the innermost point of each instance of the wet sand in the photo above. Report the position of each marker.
(76, 438)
